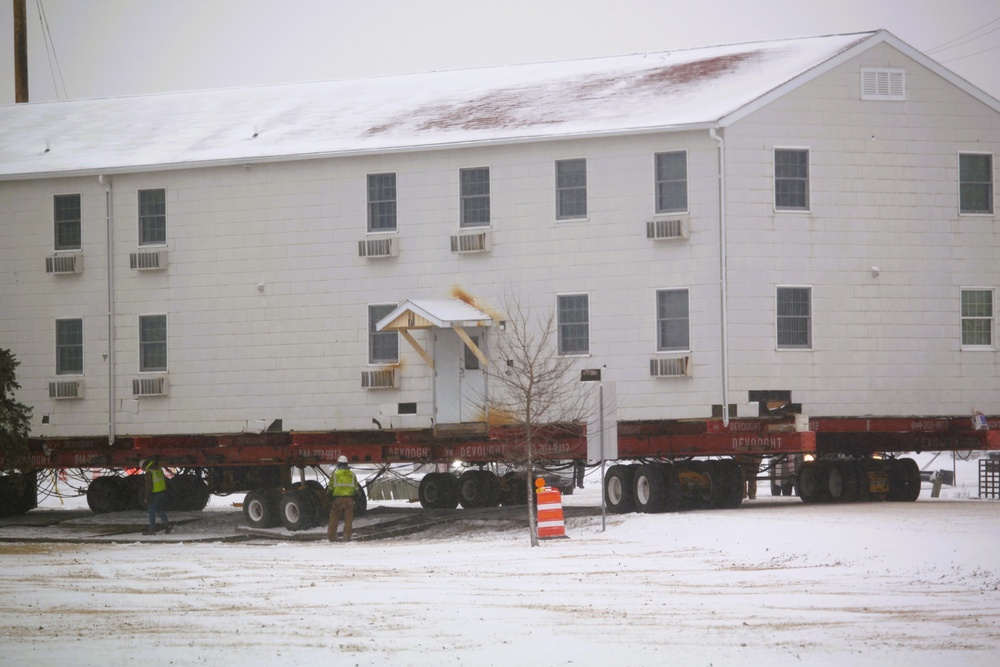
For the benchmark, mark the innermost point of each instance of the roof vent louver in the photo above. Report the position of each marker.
(378, 379)
(469, 243)
(155, 260)
(386, 246)
(151, 386)
(883, 84)
(662, 230)
(670, 367)
(63, 264)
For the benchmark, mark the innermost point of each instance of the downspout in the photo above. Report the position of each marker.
(108, 201)
(723, 278)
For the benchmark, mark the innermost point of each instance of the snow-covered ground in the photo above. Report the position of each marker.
(776, 582)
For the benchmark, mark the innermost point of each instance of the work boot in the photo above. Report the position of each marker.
(169, 529)
(149, 532)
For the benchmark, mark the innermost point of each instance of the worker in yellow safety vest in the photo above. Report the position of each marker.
(343, 485)
(156, 493)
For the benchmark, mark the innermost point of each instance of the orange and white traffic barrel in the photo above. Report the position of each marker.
(550, 513)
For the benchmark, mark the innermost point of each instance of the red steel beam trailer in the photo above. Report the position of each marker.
(667, 464)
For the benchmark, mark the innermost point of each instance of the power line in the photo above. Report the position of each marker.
(949, 44)
(50, 52)
(951, 60)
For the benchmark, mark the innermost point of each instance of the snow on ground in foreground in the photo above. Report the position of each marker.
(776, 582)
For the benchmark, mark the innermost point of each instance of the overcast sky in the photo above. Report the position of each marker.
(127, 47)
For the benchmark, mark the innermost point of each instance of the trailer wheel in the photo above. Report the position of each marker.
(813, 483)
(297, 510)
(842, 482)
(260, 508)
(649, 489)
(733, 479)
(437, 491)
(904, 480)
(105, 495)
(512, 489)
(478, 488)
(618, 489)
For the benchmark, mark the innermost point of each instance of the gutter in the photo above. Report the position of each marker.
(723, 277)
(108, 201)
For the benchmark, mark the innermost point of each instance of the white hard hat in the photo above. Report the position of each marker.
(342, 459)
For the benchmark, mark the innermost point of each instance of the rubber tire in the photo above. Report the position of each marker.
(478, 488)
(842, 482)
(618, 496)
(437, 490)
(813, 482)
(297, 510)
(513, 491)
(904, 480)
(104, 495)
(260, 508)
(649, 489)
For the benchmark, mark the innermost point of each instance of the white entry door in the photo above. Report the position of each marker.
(459, 379)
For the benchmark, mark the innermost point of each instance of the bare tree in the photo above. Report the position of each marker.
(532, 388)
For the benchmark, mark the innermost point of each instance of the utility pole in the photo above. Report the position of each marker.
(20, 53)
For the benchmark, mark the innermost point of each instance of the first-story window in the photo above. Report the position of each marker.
(475, 197)
(571, 189)
(153, 217)
(791, 179)
(977, 318)
(794, 321)
(69, 347)
(573, 323)
(383, 346)
(66, 212)
(673, 330)
(381, 202)
(152, 343)
(975, 183)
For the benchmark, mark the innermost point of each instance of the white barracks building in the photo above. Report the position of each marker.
(806, 222)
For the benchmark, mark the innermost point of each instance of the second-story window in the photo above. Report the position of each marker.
(671, 182)
(67, 222)
(571, 189)
(791, 179)
(153, 217)
(975, 183)
(475, 197)
(381, 202)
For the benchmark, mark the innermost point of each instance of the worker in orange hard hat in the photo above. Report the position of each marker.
(343, 485)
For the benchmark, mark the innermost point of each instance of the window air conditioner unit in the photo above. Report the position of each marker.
(385, 246)
(380, 379)
(64, 264)
(62, 389)
(663, 230)
(151, 386)
(148, 260)
(466, 243)
(670, 367)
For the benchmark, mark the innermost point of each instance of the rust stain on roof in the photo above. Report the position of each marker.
(532, 106)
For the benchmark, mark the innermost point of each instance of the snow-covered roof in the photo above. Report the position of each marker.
(431, 313)
(623, 94)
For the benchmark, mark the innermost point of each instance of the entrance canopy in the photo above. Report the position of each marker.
(453, 314)
(433, 314)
